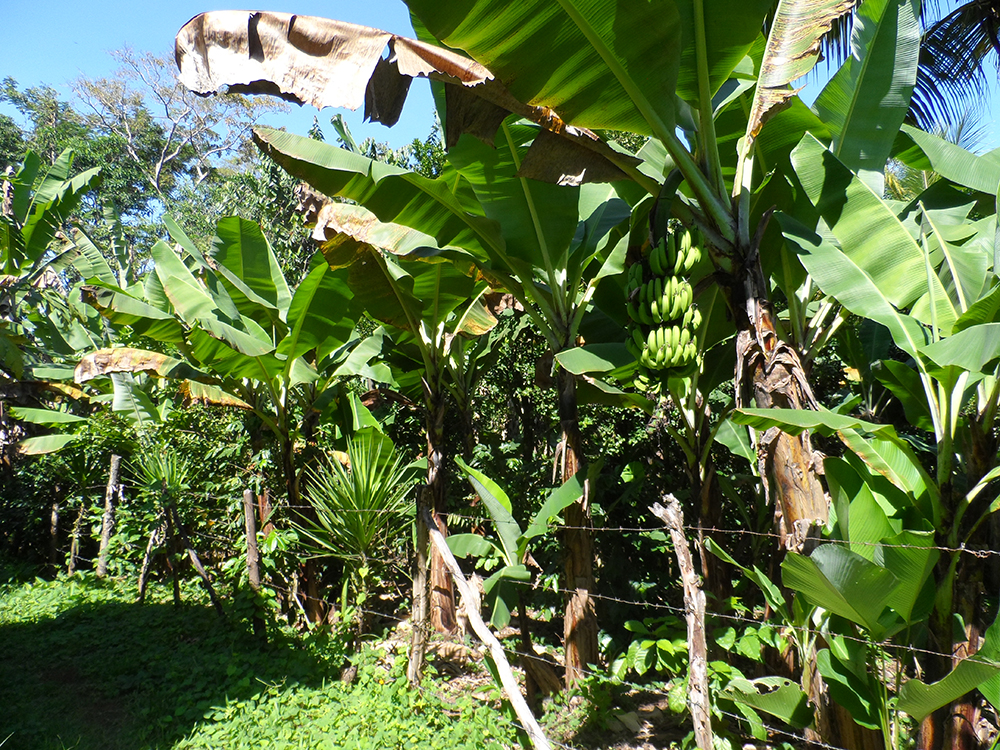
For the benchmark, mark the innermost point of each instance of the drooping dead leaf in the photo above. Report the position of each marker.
(194, 392)
(792, 50)
(564, 162)
(327, 63)
(124, 359)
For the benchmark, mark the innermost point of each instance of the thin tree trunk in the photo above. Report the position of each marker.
(196, 562)
(108, 519)
(172, 557)
(74, 545)
(54, 537)
(253, 563)
(694, 605)
(580, 621)
(442, 597)
(154, 537)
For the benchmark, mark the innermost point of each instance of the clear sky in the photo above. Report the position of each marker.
(79, 34)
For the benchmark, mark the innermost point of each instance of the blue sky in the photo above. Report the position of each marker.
(79, 35)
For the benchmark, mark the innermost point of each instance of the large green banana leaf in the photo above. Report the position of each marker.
(392, 194)
(597, 64)
(248, 265)
(927, 151)
(319, 315)
(843, 583)
(537, 219)
(870, 234)
(865, 101)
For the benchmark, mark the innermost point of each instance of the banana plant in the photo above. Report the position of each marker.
(434, 307)
(509, 548)
(548, 246)
(245, 338)
(937, 301)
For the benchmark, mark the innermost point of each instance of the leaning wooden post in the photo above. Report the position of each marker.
(694, 606)
(527, 719)
(108, 519)
(253, 562)
(195, 561)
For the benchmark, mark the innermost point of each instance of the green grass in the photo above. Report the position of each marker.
(85, 667)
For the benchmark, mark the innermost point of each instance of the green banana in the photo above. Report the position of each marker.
(656, 256)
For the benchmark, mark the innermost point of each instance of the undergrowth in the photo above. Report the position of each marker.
(86, 667)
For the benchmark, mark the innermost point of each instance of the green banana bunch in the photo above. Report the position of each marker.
(665, 321)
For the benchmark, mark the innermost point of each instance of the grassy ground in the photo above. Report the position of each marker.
(85, 667)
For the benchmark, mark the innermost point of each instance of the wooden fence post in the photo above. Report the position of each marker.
(108, 519)
(694, 606)
(253, 562)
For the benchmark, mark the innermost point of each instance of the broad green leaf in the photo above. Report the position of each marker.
(499, 507)
(54, 202)
(841, 582)
(919, 699)
(905, 384)
(849, 689)
(951, 161)
(866, 99)
(131, 401)
(972, 349)
(731, 28)
(247, 262)
(464, 545)
(11, 356)
(538, 220)
(983, 310)
(861, 518)
(840, 276)
(737, 439)
(772, 594)
(392, 194)
(911, 557)
(45, 416)
(122, 308)
(869, 233)
(595, 358)
(559, 499)
(597, 63)
(319, 314)
(777, 696)
(794, 421)
(36, 446)
(252, 360)
(187, 296)
(89, 261)
(886, 454)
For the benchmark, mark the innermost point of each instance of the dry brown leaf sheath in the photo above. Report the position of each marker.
(325, 63)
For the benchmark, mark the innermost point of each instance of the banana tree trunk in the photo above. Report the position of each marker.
(580, 621)
(769, 374)
(442, 596)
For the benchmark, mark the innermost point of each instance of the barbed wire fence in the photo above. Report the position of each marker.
(900, 651)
